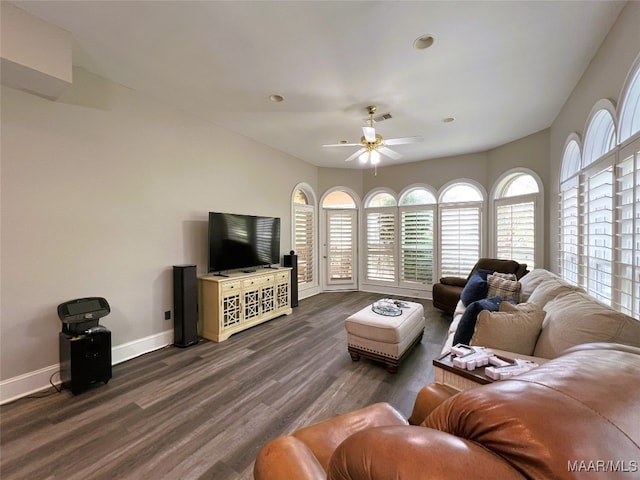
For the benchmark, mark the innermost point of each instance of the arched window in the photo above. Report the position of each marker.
(381, 219)
(596, 200)
(569, 211)
(572, 159)
(600, 138)
(304, 234)
(340, 219)
(417, 211)
(517, 212)
(630, 106)
(338, 199)
(461, 206)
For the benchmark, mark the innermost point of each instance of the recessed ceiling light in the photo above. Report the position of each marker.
(276, 98)
(423, 41)
(448, 119)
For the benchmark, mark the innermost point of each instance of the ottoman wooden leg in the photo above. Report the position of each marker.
(355, 356)
(392, 367)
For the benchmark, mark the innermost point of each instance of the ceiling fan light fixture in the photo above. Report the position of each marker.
(374, 156)
(364, 157)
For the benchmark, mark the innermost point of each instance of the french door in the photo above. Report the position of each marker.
(340, 258)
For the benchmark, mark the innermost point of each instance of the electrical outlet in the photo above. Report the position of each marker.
(167, 315)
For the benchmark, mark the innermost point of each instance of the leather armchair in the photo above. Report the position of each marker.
(447, 292)
(548, 423)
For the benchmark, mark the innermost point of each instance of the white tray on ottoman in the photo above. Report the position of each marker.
(383, 338)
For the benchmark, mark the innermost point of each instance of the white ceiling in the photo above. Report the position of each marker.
(502, 69)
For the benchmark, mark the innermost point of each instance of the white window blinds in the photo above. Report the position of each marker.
(381, 245)
(416, 261)
(628, 230)
(569, 232)
(597, 208)
(459, 239)
(340, 244)
(515, 230)
(304, 234)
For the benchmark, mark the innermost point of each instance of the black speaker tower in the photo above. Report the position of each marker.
(185, 305)
(291, 260)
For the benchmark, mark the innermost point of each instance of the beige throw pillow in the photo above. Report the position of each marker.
(515, 332)
(507, 289)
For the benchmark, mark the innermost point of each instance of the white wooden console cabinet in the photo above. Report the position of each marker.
(241, 300)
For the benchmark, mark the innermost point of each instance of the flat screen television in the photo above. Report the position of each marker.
(242, 241)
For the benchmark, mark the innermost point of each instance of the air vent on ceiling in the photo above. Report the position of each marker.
(380, 118)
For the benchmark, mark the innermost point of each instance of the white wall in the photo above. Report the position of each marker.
(102, 192)
(603, 79)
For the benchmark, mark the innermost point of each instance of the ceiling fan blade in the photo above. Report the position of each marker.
(369, 134)
(356, 154)
(343, 145)
(389, 153)
(402, 141)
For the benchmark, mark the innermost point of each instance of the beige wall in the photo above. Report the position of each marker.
(603, 79)
(436, 172)
(102, 192)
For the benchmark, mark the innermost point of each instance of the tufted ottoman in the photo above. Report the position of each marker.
(384, 339)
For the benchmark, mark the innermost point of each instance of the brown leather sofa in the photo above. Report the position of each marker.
(447, 292)
(576, 416)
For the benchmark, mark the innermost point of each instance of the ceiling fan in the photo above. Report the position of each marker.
(373, 145)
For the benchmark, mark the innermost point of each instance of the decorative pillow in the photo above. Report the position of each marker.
(507, 289)
(475, 289)
(467, 323)
(515, 332)
(506, 276)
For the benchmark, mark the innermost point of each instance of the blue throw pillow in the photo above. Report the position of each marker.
(475, 289)
(467, 324)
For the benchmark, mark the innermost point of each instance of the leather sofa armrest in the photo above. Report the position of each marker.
(415, 453)
(428, 399)
(287, 457)
(313, 446)
(454, 281)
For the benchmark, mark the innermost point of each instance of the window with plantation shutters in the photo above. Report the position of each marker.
(597, 226)
(340, 243)
(416, 245)
(460, 229)
(304, 237)
(569, 221)
(380, 241)
(516, 212)
(515, 231)
(459, 239)
(628, 229)
(304, 242)
(569, 232)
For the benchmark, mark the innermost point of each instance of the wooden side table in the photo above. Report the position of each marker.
(457, 378)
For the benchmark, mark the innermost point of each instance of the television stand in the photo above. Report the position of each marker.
(242, 300)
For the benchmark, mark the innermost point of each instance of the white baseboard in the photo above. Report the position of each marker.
(32, 382)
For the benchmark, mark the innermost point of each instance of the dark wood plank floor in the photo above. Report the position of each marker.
(204, 412)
